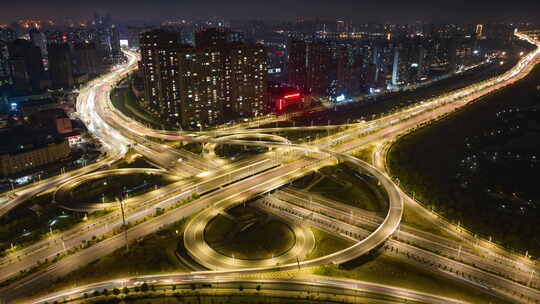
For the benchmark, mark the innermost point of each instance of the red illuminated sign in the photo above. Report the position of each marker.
(292, 96)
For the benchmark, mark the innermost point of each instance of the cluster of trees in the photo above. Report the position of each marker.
(427, 163)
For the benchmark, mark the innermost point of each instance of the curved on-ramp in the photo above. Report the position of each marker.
(202, 253)
(352, 289)
(86, 206)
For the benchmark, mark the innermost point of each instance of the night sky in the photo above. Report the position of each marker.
(358, 10)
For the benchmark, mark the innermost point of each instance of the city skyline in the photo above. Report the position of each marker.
(219, 153)
(389, 11)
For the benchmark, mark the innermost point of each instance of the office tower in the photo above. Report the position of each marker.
(103, 40)
(410, 63)
(115, 41)
(479, 31)
(26, 65)
(38, 39)
(297, 67)
(461, 53)
(4, 64)
(395, 68)
(7, 35)
(60, 65)
(134, 35)
(341, 27)
(159, 63)
(87, 58)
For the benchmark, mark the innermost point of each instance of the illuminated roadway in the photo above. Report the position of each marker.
(406, 243)
(313, 287)
(64, 189)
(395, 121)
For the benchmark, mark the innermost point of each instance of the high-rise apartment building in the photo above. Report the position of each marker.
(26, 65)
(115, 41)
(7, 35)
(4, 64)
(87, 58)
(310, 66)
(244, 74)
(159, 63)
(320, 67)
(297, 66)
(134, 33)
(60, 65)
(196, 87)
(200, 88)
(38, 39)
(350, 78)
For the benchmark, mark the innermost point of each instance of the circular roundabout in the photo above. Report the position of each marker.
(215, 258)
(244, 236)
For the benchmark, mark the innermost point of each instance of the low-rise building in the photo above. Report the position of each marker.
(22, 150)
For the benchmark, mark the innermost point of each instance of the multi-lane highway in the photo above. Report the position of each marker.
(307, 287)
(433, 250)
(118, 132)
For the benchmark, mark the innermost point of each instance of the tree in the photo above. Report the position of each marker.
(116, 291)
(125, 290)
(144, 287)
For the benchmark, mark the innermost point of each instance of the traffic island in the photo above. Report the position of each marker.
(249, 234)
(105, 189)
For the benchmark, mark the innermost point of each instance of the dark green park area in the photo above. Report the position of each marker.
(133, 162)
(35, 220)
(250, 234)
(343, 184)
(196, 297)
(480, 165)
(111, 188)
(303, 136)
(237, 152)
(155, 253)
(194, 147)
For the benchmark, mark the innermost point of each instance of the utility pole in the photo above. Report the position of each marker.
(124, 224)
